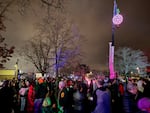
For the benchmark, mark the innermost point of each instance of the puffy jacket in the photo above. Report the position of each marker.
(130, 102)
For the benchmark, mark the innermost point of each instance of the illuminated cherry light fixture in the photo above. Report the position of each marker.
(117, 19)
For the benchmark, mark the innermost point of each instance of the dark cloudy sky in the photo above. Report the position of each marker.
(93, 18)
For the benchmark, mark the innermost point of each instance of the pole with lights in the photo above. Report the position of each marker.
(116, 21)
(17, 69)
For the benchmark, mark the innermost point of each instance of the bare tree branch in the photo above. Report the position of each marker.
(6, 7)
(53, 3)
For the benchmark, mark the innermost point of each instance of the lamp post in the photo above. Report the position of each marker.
(116, 21)
(16, 66)
(138, 70)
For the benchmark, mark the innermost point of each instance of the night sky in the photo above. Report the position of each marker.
(93, 19)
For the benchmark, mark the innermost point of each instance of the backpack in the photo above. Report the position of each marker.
(46, 102)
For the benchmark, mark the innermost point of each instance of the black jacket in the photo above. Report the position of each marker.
(130, 102)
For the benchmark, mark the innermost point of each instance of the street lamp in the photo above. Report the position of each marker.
(138, 70)
(16, 68)
(116, 21)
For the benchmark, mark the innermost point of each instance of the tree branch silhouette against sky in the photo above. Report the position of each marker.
(93, 19)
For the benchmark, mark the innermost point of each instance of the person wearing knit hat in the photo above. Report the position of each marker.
(144, 104)
(40, 80)
(63, 98)
(40, 93)
(61, 85)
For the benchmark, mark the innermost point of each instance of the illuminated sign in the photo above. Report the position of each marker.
(117, 19)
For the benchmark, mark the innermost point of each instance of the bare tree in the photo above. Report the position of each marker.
(55, 45)
(5, 51)
(53, 3)
(37, 51)
(24, 5)
(130, 61)
(5, 7)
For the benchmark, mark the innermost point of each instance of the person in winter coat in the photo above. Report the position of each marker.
(30, 98)
(146, 91)
(40, 93)
(6, 98)
(103, 101)
(79, 99)
(23, 96)
(130, 99)
(63, 98)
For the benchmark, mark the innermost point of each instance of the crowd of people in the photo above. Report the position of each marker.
(65, 95)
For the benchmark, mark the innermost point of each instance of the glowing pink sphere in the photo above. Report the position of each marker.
(117, 19)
